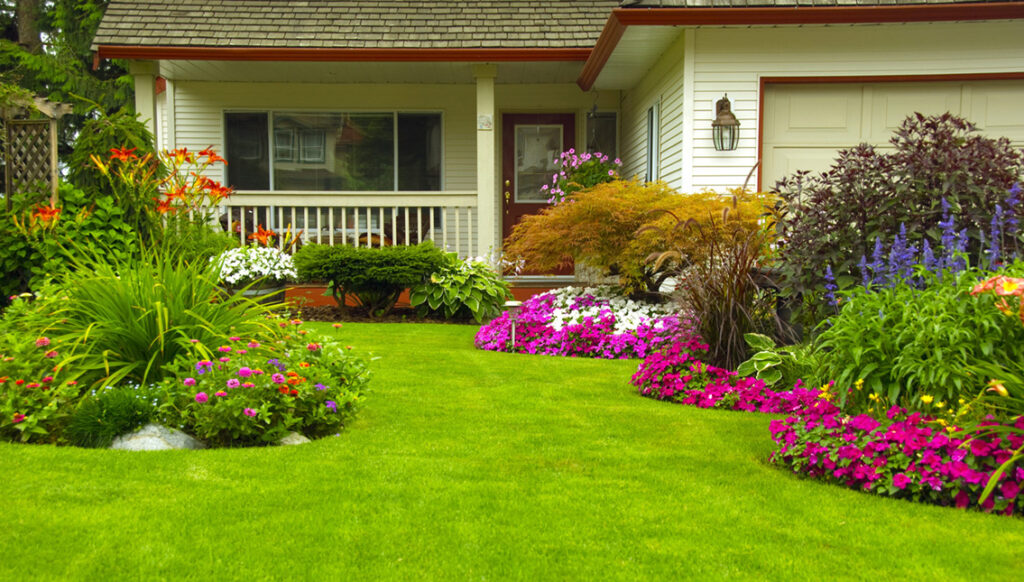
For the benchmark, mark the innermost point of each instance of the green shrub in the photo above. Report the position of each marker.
(108, 414)
(905, 343)
(461, 290)
(374, 276)
(98, 137)
(833, 218)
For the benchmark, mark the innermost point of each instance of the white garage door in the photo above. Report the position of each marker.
(805, 125)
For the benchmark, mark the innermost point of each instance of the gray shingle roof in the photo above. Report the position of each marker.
(354, 23)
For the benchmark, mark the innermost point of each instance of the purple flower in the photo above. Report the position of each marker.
(331, 405)
(203, 366)
(320, 386)
(202, 397)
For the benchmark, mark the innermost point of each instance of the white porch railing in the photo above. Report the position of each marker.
(448, 219)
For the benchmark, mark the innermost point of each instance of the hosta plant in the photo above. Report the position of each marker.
(461, 290)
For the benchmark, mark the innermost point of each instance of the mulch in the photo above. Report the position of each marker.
(331, 313)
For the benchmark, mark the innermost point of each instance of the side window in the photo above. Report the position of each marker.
(653, 143)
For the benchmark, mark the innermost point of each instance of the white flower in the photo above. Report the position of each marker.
(246, 264)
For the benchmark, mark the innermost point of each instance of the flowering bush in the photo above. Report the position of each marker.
(246, 393)
(38, 379)
(242, 266)
(909, 456)
(584, 322)
(578, 172)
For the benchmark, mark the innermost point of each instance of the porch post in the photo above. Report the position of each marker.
(144, 73)
(486, 196)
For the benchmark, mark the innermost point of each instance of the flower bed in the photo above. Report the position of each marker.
(590, 322)
(912, 457)
(676, 374)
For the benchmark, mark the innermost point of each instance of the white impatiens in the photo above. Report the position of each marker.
(574, 304)
(244, 265)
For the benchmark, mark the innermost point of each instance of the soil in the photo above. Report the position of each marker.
(398, 315)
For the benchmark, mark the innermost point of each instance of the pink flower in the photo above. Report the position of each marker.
(51, 354)
(224, 349)
(225, 359)
(42, 342)
(189, 382)
(253, 344)
(18, 417)
(277, 378)
(221, 393)
(232, 383)
(234, 338)
(1010, 489)
(245, 371)
(611, 172)
(249, 412)
(194, 341)
(313, 347)
(248, 385)
(202, 397)
(899, 480)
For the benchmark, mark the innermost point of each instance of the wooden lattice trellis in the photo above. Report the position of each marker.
(31, 156)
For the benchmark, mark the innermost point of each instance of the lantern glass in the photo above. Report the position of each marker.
(725, 128)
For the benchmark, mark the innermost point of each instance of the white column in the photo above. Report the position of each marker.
(689, 102)
(486, 193)
(144, 73)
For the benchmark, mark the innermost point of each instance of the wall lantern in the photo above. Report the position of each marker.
(725, 129)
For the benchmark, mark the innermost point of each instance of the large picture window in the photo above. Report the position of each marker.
(333, 151)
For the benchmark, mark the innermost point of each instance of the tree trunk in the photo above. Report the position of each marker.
(27, 13)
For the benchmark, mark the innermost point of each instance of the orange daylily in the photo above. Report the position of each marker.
(123, 154)
(46, 214)
(263, 236)
(211, 156)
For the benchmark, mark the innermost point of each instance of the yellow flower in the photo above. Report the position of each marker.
(859, 384)
(940, 405)
(997, 387)
(927, 399)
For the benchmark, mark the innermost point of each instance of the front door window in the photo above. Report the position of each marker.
(537, 148)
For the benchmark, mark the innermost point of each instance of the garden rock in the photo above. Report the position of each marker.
(154, 437)
(293, 438)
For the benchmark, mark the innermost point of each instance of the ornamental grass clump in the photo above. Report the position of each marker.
(596, 323)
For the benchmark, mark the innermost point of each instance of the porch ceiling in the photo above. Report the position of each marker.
(364, 72)
(634, 55)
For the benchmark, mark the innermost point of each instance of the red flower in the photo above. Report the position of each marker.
(294, 392)
(46, 214)
(18, 417)
(283, 390)
(123, 154)
(19, 382)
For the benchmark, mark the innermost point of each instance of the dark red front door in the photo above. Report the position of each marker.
(531, 143)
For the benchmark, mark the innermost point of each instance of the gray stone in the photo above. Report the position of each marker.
(293, 438)
(154, 437)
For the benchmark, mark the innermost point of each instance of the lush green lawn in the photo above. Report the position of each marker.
(475, 465)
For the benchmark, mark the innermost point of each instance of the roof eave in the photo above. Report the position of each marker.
(621, 18)
(411, 55)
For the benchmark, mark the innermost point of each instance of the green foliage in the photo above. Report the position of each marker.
(127, 320)
(906, 344)
(461, 290)
(833, 218)
(109, 413)
(778, 365)
(100, 135)
(63, 69)
(37, 381)
(374, 276)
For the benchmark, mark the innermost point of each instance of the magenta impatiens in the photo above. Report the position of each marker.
(589, 323)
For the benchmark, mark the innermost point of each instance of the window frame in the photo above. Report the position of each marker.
(316, 110)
